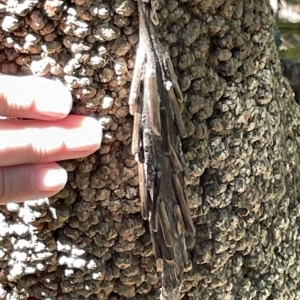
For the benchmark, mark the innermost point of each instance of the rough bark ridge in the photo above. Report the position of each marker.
(242, 153)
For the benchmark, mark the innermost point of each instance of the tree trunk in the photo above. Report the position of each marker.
(242, 153)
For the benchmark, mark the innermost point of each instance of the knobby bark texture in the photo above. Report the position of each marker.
(242, 154)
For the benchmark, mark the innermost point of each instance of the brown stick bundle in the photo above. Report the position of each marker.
(155, 101)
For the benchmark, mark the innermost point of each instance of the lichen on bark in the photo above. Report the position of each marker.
(242, 154)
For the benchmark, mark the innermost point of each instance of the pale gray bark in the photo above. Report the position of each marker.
(242, 154)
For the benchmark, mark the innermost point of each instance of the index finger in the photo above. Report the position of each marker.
(33, 97)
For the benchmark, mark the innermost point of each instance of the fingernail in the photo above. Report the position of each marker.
(52, 98)
(87, 136)
(47, 180)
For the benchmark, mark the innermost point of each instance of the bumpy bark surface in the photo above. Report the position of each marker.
(242, 153)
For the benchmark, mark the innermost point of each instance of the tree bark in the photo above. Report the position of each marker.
(242, 154)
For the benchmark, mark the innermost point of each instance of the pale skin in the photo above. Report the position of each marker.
(29, 149)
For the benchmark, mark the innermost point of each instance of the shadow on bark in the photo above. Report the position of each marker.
(242, 152)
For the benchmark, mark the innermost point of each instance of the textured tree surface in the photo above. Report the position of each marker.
(242, 154)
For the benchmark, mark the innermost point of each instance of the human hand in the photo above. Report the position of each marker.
(29, 148)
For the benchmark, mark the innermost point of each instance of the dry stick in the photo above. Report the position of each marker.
(156, 102)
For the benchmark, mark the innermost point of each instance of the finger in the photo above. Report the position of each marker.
(34, 141)
(33, 97)
(30, 182)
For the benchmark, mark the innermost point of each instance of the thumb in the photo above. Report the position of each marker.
(30, 182)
